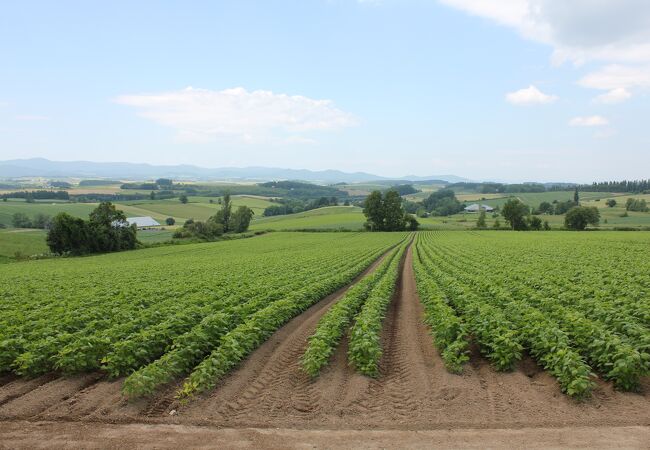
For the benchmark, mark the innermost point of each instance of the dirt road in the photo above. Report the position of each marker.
(415, 397)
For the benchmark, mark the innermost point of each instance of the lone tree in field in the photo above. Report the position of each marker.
(515, 213)
(579, 217)
(223, 215)
(576, 197)
(386, 213)
(611, 202)
(183, 199)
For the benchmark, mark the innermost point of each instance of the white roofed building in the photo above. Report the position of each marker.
(142, 222)
(476, 208)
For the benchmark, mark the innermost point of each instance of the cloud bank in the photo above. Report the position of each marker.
(203, 115)
(615, 32)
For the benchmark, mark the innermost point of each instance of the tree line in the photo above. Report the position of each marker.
(106, 230)
(635, 186)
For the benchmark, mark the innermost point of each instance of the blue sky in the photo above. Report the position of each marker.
(510, 90)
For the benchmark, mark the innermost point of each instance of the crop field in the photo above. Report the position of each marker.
(195, 309)
(399, 331)
(531, 296)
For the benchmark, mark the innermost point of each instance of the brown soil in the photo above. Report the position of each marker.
(414, 396)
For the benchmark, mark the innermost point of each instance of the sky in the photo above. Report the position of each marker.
(508, 90)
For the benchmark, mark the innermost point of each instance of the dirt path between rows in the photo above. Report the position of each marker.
(55, 435)
(414, 396)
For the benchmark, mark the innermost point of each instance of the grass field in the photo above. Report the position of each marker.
(197, 208)
(9, 208)
(24, 242)
(329, 218)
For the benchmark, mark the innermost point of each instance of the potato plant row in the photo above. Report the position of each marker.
(337, 320)
(166, 308)
(564, 314)
(238, 343)
(364, 349)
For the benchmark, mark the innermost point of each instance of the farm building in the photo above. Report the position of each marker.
(142, 222)
(476, 207)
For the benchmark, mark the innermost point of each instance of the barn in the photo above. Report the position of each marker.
(142, 222)
(476, 208)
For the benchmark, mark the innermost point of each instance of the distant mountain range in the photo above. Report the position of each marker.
(40, 167)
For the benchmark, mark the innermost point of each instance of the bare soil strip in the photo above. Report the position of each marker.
(414, 397)
(55, 435)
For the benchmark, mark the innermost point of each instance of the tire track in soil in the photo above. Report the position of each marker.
(270, 384)
(52, 391)
(404, 385)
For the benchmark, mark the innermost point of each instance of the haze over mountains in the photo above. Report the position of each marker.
(40, 167)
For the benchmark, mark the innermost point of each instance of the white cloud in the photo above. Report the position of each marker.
(616, 32)
(616, 76)
(589, 121)
(203, 115)
(530, 96)
(578, 30)
(617, 95)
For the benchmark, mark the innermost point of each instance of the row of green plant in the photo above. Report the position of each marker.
(241, 341)
(364, 350)
(621, 351)
(337, 320)
(551, 311)
(119, 313)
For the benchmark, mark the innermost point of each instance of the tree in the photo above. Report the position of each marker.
(152, 195)
(386, 213)
(68, 235)
(545, 208)
(204, 230)
(576, 196)
(639, 205)
(497, 224)
(547, 226)
(579, 217)
(443, 203)
(412, 223)
(515, 212)
(480, 222)
(394, 219)
(241, 219)
(611, 202)
(535, 223)
(21, 220)
(170, 221)
(183, 198)
(223, 215)
(109, 230)
(374, 212)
